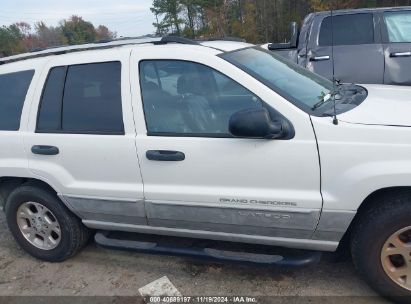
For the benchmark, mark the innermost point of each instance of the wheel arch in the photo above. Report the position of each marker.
(369, 202)
(9, 183)
(390, 191)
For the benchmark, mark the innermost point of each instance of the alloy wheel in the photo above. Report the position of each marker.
(396, 257)
(38, 225)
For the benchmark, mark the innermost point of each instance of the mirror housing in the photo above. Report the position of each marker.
(293, 43)
(255, 123)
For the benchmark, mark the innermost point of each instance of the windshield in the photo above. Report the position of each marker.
(301, 87)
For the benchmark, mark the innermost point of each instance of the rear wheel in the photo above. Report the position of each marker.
(42, 225)
(381, 246)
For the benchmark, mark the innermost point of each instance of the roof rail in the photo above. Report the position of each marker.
(176, 39)
(234, 39)
(77, 48)
(94, 46)
(103, 44)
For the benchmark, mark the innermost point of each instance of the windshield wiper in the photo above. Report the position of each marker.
(324, 99)
(330, 96)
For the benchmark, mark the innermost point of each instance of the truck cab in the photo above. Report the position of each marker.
(369, 46)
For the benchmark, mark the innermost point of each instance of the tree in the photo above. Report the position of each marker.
(191, 9)
(10, 40)
(48, 35)
(250, 32)
(21, 37)
(254, 20)
(170, 10)
(162, 28)
(103, 33)
(319, 5)
(26, 37)
(77, 31)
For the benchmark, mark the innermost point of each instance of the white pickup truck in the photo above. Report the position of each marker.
(213, 140)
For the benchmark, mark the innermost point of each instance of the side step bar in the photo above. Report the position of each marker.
(211, 250)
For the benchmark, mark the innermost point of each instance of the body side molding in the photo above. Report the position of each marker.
(219, 236)
(113, 210)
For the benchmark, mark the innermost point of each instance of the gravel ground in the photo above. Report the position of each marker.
(101, 272)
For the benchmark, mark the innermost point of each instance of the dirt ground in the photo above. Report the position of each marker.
(101, 272)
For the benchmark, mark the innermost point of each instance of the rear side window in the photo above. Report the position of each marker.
(348, 30)
(82, 99)
(398, 26)
(13, 90)
(50, 110)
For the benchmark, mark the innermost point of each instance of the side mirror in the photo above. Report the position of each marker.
(294, 34)
(293, 43)
(254, 123)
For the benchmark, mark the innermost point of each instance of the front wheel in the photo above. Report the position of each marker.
(381, 246)
(42, 225)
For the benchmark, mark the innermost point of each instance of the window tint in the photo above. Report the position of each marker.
(49, 118)
(188, 98)
(92, 98)
(90, 103)
(13, 90)
(348, 30)
(398, 26)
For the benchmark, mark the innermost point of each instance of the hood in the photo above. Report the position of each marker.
(385, 105)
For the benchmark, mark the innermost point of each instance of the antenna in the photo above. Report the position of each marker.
(335, 120)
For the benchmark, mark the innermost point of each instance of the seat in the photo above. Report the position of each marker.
(198, 114)
(162, 111)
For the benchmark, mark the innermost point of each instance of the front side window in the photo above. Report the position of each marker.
(348, 30)
(398, 26)
(82, 99)
(13, 90)
(190, 99)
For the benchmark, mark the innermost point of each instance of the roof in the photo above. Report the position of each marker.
(365, 10)
(221, 45)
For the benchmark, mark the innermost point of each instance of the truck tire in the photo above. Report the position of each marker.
(381, 245)
(42, 225)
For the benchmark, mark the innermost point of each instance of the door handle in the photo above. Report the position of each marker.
(320, 58)
(401, 54)
(45, 150)
(165, 155)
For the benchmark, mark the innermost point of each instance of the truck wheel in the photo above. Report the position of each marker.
(381, 246)
(42, 225)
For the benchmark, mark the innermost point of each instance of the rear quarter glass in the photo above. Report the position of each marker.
(13, 91)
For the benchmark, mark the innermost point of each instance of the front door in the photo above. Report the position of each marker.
(81, 138)
(397, 47)
(197, 177)
(349, 46)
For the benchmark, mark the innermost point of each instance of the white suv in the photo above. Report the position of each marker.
(215, 140)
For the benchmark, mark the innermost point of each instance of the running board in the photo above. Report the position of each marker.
(209, 250)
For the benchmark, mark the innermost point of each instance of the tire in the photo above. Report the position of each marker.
(372, 234)
(69, 234)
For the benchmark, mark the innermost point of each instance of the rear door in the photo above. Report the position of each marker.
(81, 137)
(397, 47)
(15, 88)
(358, 53)
(197, 177)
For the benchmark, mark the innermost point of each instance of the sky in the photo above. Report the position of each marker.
(126, 17)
